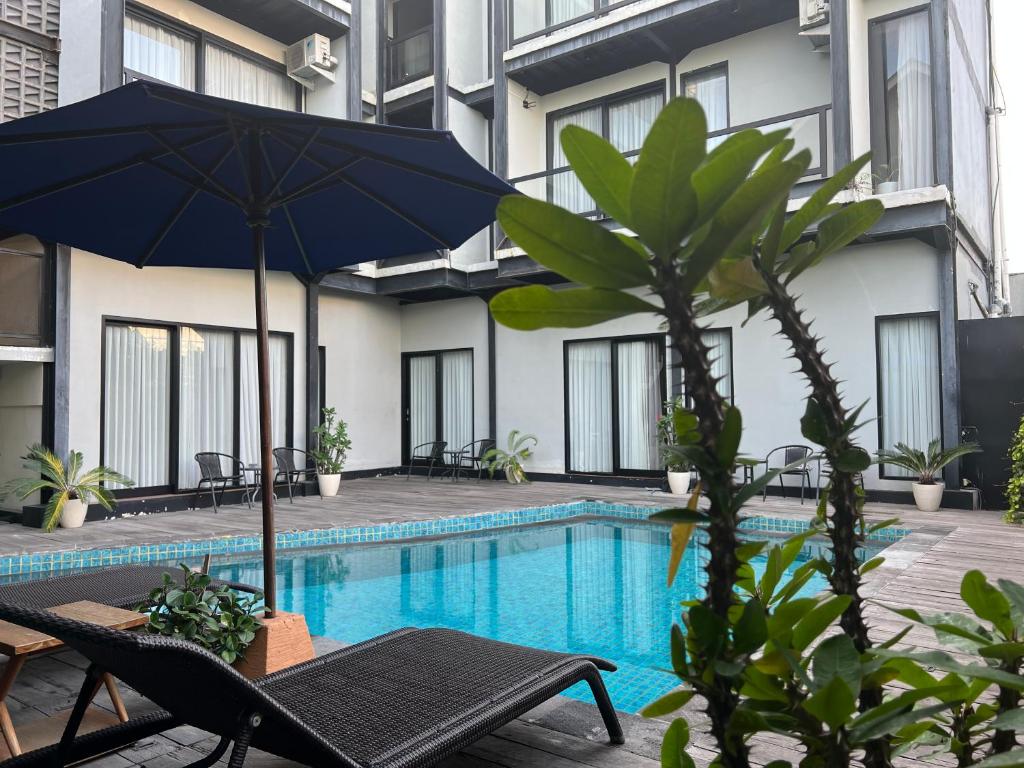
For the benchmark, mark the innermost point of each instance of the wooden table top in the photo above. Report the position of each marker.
(16, 640)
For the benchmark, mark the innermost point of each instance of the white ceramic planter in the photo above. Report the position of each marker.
(329, 484)
(679, 483)
(928, 497)
(73, 515)
(886, 187)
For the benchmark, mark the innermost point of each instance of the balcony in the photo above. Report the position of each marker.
(529, 19)
(809, 128)
(23, 298)
(410, 57)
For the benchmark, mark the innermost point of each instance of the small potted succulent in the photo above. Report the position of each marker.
(70, 488)
(886, 180)
(926, 465)
(332, 447)
(520, 448)
(677, 468)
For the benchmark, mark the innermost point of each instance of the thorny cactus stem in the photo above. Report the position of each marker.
(709, 407)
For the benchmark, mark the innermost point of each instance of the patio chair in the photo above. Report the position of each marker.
(431, 454)
(472, 457)
(211, 473)
(790, 454)
(406, 699)
(291, 472)
(123, 586)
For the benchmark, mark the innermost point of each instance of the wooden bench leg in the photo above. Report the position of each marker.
(115, 697)
(10, 673)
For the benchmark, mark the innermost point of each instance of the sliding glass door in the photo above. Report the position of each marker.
(437, 394)
(614, 390)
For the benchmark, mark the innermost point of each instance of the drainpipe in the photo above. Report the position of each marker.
(1000, 258)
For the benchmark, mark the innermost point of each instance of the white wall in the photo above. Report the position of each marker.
(362, 340)
(466, 35)
(21, 421)
(104, 287)
(457, 324)
(843, 297)
(80, 51)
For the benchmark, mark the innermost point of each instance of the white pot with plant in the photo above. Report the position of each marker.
(926, 465)
(673, 422)
(332, 447)
(886, 180)
(520, 448)
(70, 488)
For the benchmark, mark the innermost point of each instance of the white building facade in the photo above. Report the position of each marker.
(141, 369)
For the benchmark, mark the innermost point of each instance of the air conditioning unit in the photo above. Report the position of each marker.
(310, 59)
(813, 13)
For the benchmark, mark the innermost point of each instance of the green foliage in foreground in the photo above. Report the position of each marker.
(1015, 488)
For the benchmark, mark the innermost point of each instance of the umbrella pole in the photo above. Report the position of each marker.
(263, 372)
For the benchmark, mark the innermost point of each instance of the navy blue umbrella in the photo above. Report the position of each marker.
(157, 176)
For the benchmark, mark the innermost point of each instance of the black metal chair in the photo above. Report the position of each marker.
(291, 472)
(430, 454)
(211, 472)
(406, 699)
(472, 457)
(790, 454)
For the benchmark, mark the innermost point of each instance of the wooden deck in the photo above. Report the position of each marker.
(922, 571)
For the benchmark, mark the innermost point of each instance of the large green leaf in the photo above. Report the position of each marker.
(837, 657)
(736, 280)
(833, 703)
(837, 231)
(673, 746)
(667, 704)
(730, 436)
(740, 217)
(576, 248)
(751, 629)
(895, 722)
(662, 202)
(537, 306)
(987, 602)
(810, 627)
(1011, 759)
(943, 661)
(602, 170)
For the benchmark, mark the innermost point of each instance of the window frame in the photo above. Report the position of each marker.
(174, 423)
(879, 319)
(438, 394)
(877, 109)
(617, 469)
(721, 65)
(202, 39)
(549, 28)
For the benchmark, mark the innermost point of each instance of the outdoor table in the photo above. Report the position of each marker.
(20, 644)
(257, 472)
(455, 462)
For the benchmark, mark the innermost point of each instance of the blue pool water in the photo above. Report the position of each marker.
(595, 586)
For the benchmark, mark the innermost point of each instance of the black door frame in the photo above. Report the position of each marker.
(437, 354)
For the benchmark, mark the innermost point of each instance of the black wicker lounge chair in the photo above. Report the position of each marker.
(407, 699)
(123, 586)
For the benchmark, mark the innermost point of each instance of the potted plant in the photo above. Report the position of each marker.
(70, 488)
(926, 464)
(216, 618)
(333, 444)
(678, 469)
(511, 461)
(886, 180)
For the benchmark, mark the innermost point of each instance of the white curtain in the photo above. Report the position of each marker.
(457, 398)
(590, 406)
(639, 383)
(565, 10)
(206, 398)
(231, 76)
(566, 189)
(157, 52)
(711, 90)
(629, 121)
(136, 384)
(422, 400)
(248, 393)
(719, 341)
(913, 94)
(908, 358)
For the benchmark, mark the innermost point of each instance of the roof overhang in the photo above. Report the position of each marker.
(285, 20)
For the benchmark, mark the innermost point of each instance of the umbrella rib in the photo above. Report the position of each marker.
(400, 214)
(150, 156)
(298, 240)
(189, 162)
(200, 185)
(241, 155)
(186, 201)
(315, 185)
(295, 161)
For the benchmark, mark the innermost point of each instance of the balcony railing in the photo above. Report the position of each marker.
(534, 18)
(410, 57)
(808, 128)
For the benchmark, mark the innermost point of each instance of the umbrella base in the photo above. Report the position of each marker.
(281, 642)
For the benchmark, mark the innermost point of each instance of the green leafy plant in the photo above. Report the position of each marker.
(215, 618)
(510, 461)
(332, 444)
(65, 480)
(925, 464)
(1015, 488)
(668, 435)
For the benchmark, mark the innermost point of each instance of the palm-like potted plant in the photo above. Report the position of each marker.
(926, 465)
(70, 488)
(332, 447)
(520, 448)
(677, 468)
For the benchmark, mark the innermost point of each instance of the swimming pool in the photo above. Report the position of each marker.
(591, 586)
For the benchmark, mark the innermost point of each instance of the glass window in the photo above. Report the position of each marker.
(590, 406)
(206, 398)
(136, 402)
(719, 342)
(909, 383)
(565, 189)
(159, 53)
(901, 101)
(630, 120)
(232, 76)
(710, 87)
(248, 392)
(447, 403)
